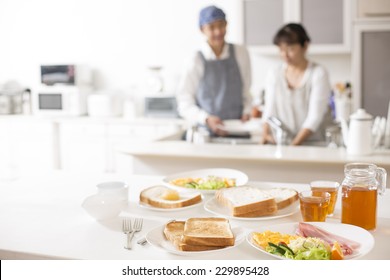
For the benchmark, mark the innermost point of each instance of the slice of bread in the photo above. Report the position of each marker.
(214, 232)
(247, 201)
(284, 197)
(154, 196)
(173, 231)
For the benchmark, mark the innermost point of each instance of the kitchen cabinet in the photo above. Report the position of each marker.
(370, 66)
(373, 9)
(26, 145)
(83, 146)
(327, 22)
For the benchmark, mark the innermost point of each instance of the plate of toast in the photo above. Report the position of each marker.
(196, 236)
(206, 181)
(253, 203)
(162, 198)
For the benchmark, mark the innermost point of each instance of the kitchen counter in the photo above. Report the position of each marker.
(260, 162)
(41, 218)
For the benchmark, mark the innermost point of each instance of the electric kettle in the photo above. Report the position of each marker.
(358, 137)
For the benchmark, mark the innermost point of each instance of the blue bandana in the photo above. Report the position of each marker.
(210, 14)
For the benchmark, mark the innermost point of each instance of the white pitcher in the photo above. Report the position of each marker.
(358, 137)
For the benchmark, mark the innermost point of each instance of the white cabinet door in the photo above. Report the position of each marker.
(327, 22)
(83, 147)
(370, 66)
(26, 145)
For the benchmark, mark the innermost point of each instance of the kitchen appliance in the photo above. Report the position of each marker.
(104, 105)
(12, 98)
(60, 100)
(160, 107)
(73, 75)
(358, 137)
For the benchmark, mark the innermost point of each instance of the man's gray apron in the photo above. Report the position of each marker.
(220, 89)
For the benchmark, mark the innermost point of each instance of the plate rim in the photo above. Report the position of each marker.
(243, 232)
(354, 257)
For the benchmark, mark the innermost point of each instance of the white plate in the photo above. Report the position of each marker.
(150, 207)
(353, 233)
(213, 206)
(241, 178)
(238, 127)
(156, 238)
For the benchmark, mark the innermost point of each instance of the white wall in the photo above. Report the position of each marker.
(117, 38)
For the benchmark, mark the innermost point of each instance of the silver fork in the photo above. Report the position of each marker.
(136, 228)
(126, 228)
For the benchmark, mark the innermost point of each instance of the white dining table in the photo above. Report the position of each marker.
(41, 217)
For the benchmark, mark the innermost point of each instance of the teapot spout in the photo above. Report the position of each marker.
(344, 131)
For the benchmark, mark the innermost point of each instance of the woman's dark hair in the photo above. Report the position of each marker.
(292, 33)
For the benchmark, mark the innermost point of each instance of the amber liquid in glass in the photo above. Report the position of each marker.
(314, 209)
(333, 197)
(359, 207)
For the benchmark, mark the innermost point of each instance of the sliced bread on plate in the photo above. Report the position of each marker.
(173, 231)
(284, 197)
(214, 232)
(164, 197)
(247, 201)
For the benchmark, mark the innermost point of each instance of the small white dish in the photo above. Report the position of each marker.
(214, 207)
(351, 232)
(240, 177)
(156, 238)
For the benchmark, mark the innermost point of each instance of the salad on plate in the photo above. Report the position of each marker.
(208, 183)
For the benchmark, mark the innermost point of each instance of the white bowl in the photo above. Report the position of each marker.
(109, 201)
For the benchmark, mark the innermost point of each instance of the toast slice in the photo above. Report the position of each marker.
(156, 196)
(247, 201)
(173, 231)
(214, 232)
(284, 197)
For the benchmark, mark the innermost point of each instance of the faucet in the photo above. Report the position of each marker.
(280, 131)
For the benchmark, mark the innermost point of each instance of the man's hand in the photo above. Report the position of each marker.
(214, 123)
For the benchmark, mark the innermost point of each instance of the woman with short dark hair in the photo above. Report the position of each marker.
(298, 90)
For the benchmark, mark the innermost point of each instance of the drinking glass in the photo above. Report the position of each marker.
(314, 206)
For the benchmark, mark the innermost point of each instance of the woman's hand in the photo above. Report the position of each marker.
(214, 123)
(302, 135)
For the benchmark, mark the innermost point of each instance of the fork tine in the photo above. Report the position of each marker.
(138, 224)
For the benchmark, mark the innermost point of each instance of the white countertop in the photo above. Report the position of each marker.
(41, 217)
(91, 120)
(304, 154)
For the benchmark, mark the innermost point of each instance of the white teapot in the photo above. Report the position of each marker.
(358, 137)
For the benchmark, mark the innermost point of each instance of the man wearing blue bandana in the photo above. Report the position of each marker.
(215, 86)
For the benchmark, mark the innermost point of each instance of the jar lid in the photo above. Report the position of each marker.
(361, 114)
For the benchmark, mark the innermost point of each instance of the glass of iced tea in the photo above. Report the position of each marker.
(314, 206)
(327, 186)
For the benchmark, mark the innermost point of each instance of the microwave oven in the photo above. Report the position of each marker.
(60, 100)
(71, 75)
(160, 107)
